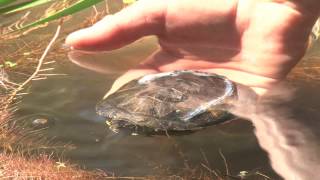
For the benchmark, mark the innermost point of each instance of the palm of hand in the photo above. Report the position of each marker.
(253, 43)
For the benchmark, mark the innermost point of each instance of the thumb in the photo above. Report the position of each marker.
(144, 17)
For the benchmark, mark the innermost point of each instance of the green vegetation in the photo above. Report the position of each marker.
(6, 7)
(21, 6)
(6, 2)
(128, 1)
(9, 64)
(76, 7)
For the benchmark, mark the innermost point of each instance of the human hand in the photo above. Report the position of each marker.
(252, 42)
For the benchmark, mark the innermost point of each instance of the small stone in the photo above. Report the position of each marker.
(41, 121)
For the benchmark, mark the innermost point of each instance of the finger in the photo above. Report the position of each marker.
(143, 18)
(142, 69)
(129, 76)
(108, 62)
(96, 62)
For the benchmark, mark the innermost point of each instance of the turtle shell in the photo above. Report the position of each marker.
(170, 101)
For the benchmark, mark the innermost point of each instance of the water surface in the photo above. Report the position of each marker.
(71, 100)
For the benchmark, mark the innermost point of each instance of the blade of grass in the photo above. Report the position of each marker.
(6, 2)
(23, 6)
(78, 6)
(128, 1)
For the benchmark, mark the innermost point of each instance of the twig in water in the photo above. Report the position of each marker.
(35, 73)
(37, 79)
(52, 74)
(49, 62)
(207, 163)
(107, 7)
(210, 170)
(225, 162)
(48, 69)
(263, 175)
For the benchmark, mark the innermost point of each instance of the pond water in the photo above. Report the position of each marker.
(70, 101)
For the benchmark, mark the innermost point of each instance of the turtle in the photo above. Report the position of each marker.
(176, 101)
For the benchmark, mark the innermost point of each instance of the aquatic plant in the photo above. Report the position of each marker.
(6, 8)
(69, 10)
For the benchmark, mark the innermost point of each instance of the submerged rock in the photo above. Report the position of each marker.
(171, 101)
(39, 121)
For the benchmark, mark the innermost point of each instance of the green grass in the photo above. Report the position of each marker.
(13, 6)
(72, 9)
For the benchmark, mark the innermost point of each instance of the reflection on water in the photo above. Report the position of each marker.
(287, 126)
(71, 100)
(287, 121)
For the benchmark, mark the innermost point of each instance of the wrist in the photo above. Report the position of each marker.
(308, 7)
(309, 10)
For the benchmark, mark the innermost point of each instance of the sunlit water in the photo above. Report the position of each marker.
(70, 100)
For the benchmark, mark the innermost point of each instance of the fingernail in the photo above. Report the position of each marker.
(67, 47)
